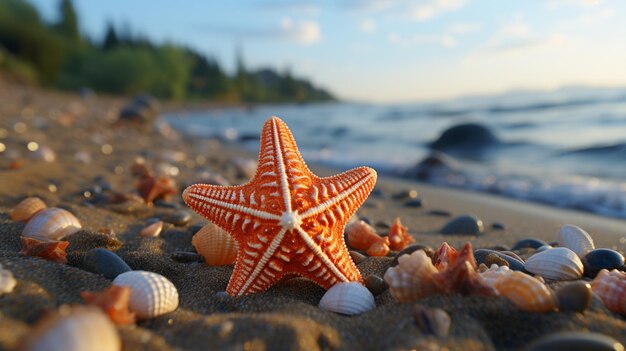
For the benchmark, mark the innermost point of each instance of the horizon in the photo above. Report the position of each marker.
(386, 51)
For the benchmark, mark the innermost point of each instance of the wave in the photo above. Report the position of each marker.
(610, 150)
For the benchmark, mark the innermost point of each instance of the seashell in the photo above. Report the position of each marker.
(216, 245)
(151, 188)
(411, 279)
(51, 224)
(7, 281)
(559, 263)
(153, 230)
(575, 341)
(398, 236)
(113, 301)
(444, 255)
(27, 208)
(526, 292)
(493, 273)
(362, 236)
(432, 321)
(461, 276)
(610, 286)
(49, 250)
(410, 249)
(75, 328)
(575, 239)
(152, 294)
(348, 298)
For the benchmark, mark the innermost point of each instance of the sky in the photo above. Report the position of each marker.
(390, 50)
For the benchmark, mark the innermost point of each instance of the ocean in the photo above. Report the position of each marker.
(565, 148)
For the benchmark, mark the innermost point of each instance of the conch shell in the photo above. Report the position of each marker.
(362, 236)
(398, 236)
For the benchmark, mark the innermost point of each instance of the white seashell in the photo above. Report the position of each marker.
(7, 281)
(153, 230)
(76, 328)
(152, 294)
(51, 224)
(493, 273)
(348, 298)
(575, 239)
(559, 263)
(411, 279)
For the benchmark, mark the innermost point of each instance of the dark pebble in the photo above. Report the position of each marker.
(514, 264)
(466, 224)
(442, 213)
(415, 203)
(166, 204)
(410, 249)
(528, 243)
(498, 226)
(405, 194)
(178, 218)
(492, 258)
(366, 220)
(383, 224)
(576, 341)
(375, 284)
(498, 248)
(186, 257)
(599, 259)
(357, 257)
(511, 254)
(432, 321)
(378, 193)
(194, 228)
(104, 262)
(574, 296)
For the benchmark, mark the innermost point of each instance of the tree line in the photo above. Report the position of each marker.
(57, 55)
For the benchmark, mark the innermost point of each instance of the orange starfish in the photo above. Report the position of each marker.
(286, 219)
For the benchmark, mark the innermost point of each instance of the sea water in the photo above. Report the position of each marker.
(565, 148)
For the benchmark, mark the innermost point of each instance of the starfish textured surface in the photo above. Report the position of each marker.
(286, 219)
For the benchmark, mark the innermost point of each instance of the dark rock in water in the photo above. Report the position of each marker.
(532, 243)
(432, 321)
(433, 165)
(186, 257)
(466, 137)
(416, 203)
(575, 341)
(410, 249)
(375, 284)
(599, 259)
(465, 224)
(574, 296)
(482, 254)
(105, 262)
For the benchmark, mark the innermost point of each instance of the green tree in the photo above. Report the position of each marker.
(110, 38)
(68, 23)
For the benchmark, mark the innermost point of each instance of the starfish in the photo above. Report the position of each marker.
(286, 219)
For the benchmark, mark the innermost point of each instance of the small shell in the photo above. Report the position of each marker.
(398, 236)
(74, 329)
(51, 224)
(27, 208)
(152, 294)
(444, 256)
(50, 250)
(575, 239)
(411, 279)
(216, 245)
(348, 298)
(7, 281)
(493, 273)
(153, 230)
(112, 301)
(611, 288)
(362, 236)
(557, 264)
(432, 321)
(526, 292)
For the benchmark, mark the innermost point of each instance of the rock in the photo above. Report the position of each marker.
(528, 243)
(178, 218)
(466, 224)
(482, 254)
(405, 194)
(576, 341)
(442, 213)
(465, 137)
(599, 259)
(375, 284)
(498, 226)
(186, 257)
(432, 166)
(574, 296)
(104, 262)
(416, 203)
(357, 257)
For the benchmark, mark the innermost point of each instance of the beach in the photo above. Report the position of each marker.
(92, 165)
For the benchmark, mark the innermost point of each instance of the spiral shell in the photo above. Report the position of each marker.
(362, 236)
(557, 264)
(51, 224)
(348, 298)
(27, 208)
(74, 329)
(575, 239)
(611, 288)
(526, 292)
(216, 245)
(152, 294)
(411, 279)
(7, 281)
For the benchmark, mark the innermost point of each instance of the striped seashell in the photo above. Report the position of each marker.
(348, 298)
(559, 263)
(610, 286)
(216, 245)
(152, 294)
(51, 224)
(153, 230)
(27, 208)
(526, 292)
(575, 239)
(411, 279)
(493, 273)
(362, 236)
(7, 281)
(75, 328)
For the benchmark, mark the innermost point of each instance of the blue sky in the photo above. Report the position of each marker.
(391, 50)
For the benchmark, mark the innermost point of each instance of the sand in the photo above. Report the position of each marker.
(286, 317)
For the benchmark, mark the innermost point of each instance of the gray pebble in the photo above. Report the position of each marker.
(498, 226)
(357, 257)
(383, 224)
(599, 259)
(375, 284)
(405, 194)
(466, 224)
(532, 243)
(104, 262)
(442, 213)
(186, 257)
(178, 218)
(415, 203)
(514, 264)
(576, 341)
(574, 296)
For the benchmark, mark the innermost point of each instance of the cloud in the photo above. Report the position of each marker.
(418, 10)
(443, 40)
(303, 8)
(302, 32)
(433, 8)
(463, 28)
(367, 25)
(518, 35)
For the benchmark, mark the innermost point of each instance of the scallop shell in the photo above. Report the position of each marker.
(348, 298)
(526, 292)
(362, 236)
(7, 281)
(51, 224)
(27, 208)
(76, 328)
(153, 230)
(575, 239)
(411, 279)
(152, 294)
(216, 245)
(611, 288)
(559, 263)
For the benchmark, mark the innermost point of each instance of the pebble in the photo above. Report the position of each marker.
(194, 228)
(105, 262)
(375, 284)
(498, 226)
(599, 259)
(492, 258)
(186, 257)
(514, 264)
(574, 296)
(166, 204)
(465, 224)
(405, 194)
(383, 224)
(576, 341)
(410, 249)
(528, 243)
(178, 218)
(357, 257)
(415, 203)
(442, 213)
